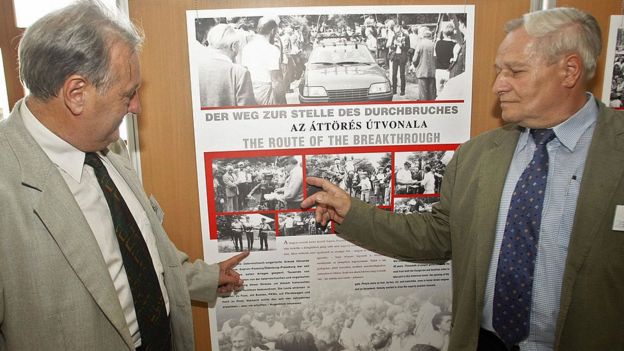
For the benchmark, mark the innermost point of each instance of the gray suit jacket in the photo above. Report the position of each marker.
(222, 82)
(55, 290)
(464, 222)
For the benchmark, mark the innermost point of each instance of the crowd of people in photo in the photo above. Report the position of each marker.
(367, 183)
(419, 321)
(411, 179)
(417, 51)
(420, 174)
(257, 185)
(249, 61)
(301, 223)
(414, 204)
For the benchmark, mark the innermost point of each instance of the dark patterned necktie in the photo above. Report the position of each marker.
(148, 300)
(516, 262)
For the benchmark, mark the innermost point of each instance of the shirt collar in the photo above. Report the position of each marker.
(218, 55)
(569, 132)
(61, 153)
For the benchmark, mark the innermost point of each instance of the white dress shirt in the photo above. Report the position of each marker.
(83, 184)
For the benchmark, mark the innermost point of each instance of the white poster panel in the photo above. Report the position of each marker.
(613, 84)
(374, 99)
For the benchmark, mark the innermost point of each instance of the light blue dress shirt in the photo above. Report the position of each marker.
(567, 154)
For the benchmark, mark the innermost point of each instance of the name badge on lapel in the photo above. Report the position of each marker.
(618, 220)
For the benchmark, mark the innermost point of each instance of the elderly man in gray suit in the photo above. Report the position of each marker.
(223, 82)
(84, 261)
(531, 213)
(424, 64)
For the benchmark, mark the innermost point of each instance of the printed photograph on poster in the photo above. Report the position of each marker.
(252, 232)
(403, 320)
(613, 84)
(302, 58)
(383, 75)
(416, 204)
(365, 176)
(257, 184)
(420, 172)
(301, 223)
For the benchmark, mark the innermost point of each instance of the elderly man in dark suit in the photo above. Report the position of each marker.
(399, 56)
(542, 197)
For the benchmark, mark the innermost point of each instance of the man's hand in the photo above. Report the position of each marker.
(229, 279)
(332, 203)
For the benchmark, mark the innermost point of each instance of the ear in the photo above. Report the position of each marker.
(75, 93)
(235, 46)
(572, 70)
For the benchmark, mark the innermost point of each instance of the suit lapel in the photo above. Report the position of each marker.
(595, 199)
(494, 166)
(75, 239)
(58, 211)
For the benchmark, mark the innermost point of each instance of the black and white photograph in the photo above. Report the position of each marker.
(289, 58)
(301, 223)
(366, 176)
(403, 320)
(251, 232)
(420, 172)
(416, 204)
(613, 85)
(616, 96)
(257, 184)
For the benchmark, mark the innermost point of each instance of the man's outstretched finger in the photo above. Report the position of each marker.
(233, 261)
(322, 183)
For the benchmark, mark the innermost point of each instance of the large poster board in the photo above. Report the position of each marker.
(375, 99)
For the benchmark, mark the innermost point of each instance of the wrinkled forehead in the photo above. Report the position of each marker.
(124, 63)
(517, 45)
(515, 41)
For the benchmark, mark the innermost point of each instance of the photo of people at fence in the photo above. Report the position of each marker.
(420, 172)
(301, 223)
(251, 232)
(420, 204)
(405, 321)
(366, 176)
(325, 58)
(257, 184)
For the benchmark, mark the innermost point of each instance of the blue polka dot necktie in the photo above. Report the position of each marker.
(148, 301)
(516, 262)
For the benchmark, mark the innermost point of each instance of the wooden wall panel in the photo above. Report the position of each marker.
(9, 39)
(166, 126)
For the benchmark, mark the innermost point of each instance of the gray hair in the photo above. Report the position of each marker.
(73, 40)
(448, 28)
(404, 317)
(560, 31)
(266, 24)
(222, 36)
